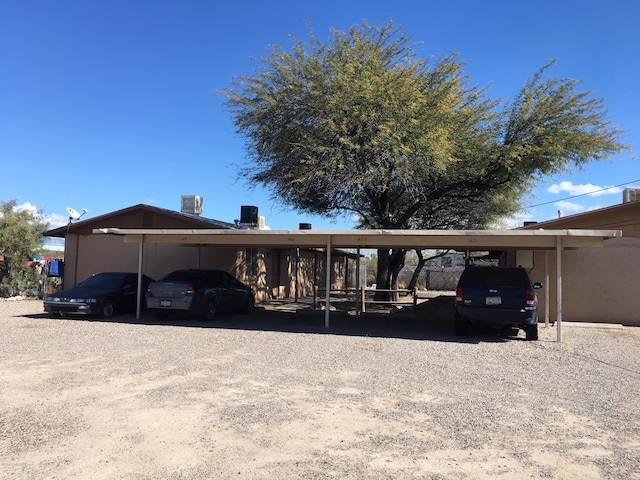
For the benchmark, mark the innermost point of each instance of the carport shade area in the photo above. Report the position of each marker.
(474, 240)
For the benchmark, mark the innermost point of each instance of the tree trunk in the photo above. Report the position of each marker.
(390, 262)
(416, 272)
(397, 264)
(421, 263)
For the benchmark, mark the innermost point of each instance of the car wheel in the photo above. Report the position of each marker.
(531, 331)
(107, 309)
(460, 326)
(248, 308)
(209, 311)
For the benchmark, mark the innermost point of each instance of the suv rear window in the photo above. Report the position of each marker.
(495, 277)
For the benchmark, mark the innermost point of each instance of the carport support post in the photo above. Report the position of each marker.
(357, 282)
(139, 286)
(547, 301)
(327, 303)
(559, 287)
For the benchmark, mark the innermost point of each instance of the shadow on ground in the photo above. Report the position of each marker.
(432, 319)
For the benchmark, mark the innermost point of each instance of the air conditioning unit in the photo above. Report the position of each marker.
(631, 195)
(249, 215)
(191, 204)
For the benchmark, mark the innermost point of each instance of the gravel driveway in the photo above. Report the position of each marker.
(276, 395)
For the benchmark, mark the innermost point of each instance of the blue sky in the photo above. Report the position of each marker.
(108, 104)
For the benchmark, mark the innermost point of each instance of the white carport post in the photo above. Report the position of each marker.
(139, 287)
(358, 282)
(327, 303)
(559, 287)
(547, 301)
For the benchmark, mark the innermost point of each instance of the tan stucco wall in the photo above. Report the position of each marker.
(598, 284)
(100, 253)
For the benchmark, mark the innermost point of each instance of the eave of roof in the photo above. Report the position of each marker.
(458, 239)
(566, 220)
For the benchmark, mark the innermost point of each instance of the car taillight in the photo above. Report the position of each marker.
(190, 289)
(531, 298)
(458, 294)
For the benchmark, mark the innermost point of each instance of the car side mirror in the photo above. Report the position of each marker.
(537, 285)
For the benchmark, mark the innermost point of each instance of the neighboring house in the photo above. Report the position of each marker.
(598, 284)
(273, 273)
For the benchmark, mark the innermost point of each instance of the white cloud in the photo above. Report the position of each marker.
(594, 207)
(28, 207)
(582, 189)
(54, 220)
(569, 206)
(513, 221)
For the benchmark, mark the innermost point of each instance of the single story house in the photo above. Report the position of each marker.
(272, 272)
(599, 282)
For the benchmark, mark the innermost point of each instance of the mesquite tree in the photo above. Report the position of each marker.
(363, 125)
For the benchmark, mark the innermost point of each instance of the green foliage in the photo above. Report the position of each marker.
(362, 124)
(24, 281)
(21, 233)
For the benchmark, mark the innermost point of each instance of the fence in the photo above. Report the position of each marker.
(432, 278)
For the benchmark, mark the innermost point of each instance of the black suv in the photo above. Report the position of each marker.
(496, 296)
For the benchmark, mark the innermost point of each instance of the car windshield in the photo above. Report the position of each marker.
(496, 277)
(103, 281)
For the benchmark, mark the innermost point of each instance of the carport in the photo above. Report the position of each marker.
(472, 240)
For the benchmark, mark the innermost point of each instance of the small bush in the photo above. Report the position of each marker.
(26, 282)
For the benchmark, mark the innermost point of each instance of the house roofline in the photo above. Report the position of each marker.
(205, 222)
(558, 222)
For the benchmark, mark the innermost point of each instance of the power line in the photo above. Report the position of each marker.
(579, 195)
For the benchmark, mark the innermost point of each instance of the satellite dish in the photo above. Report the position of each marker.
(73, 214)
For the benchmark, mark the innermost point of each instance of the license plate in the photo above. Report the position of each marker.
(165, 303)
(494, 300)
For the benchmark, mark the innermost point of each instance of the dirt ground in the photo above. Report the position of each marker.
(276, 395)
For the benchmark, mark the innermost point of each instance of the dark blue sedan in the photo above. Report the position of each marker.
(102, 294)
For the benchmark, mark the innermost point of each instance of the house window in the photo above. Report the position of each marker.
(251, 260)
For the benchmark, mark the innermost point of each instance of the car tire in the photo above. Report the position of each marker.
(248, 308)
(531, 332)
(107, 309)
(209, 311)
(460, 326)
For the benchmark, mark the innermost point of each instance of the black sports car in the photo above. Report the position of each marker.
(102, 294)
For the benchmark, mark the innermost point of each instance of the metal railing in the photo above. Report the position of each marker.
(364, 301)
(363, 296)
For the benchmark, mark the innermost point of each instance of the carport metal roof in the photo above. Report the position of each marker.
(457, 239)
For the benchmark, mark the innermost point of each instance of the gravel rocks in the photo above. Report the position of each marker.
(276, 395)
